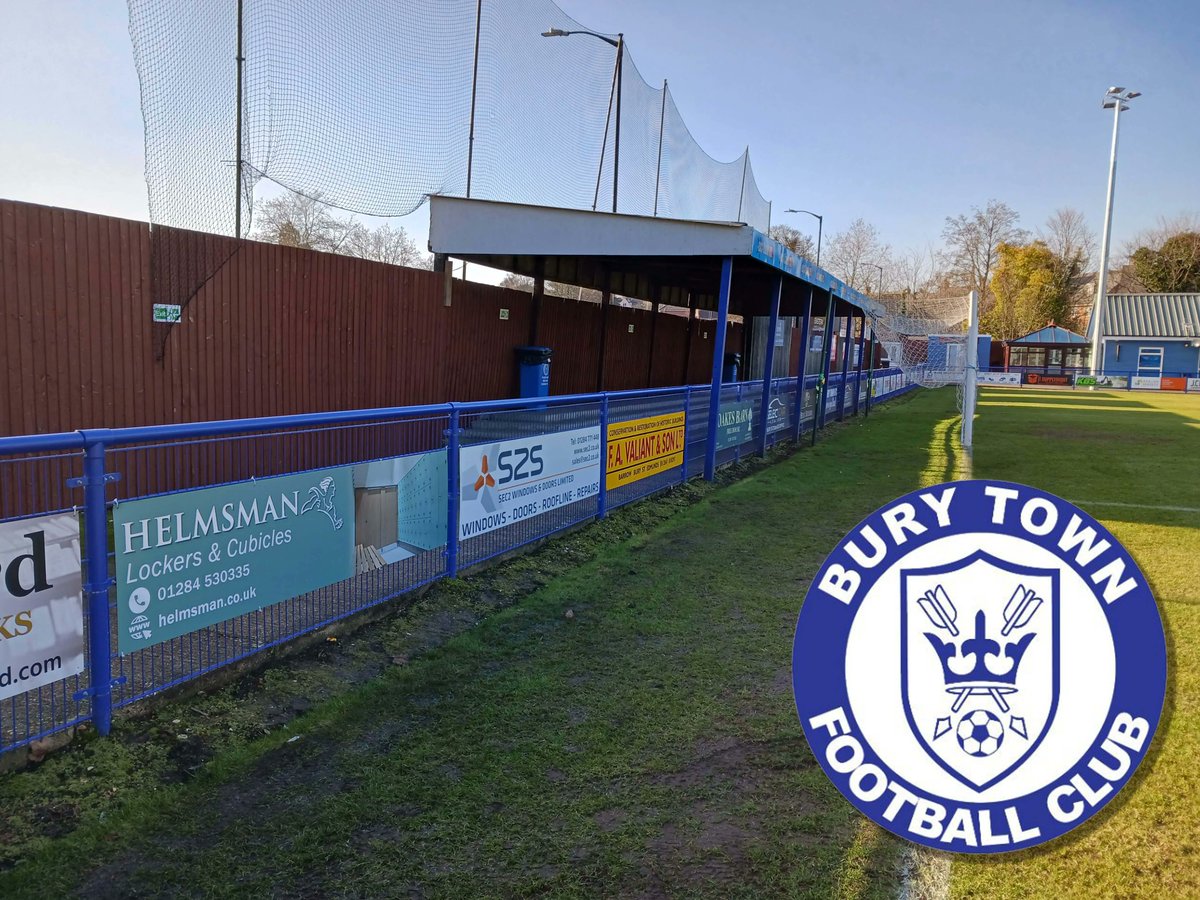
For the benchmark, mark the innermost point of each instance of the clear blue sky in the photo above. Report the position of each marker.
(899, 112)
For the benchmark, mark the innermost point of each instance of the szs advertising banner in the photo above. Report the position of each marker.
(192, 559)
(41, 603)
(639, 448)
(735, 424)
(513, 480)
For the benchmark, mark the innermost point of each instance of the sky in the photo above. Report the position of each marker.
(902, 113)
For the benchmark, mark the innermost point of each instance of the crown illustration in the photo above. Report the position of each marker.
(980, 660)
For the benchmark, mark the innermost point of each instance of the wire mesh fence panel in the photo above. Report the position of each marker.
(395, 474)
(780, 409)
(699, 402)
(368, 108)
(645, 445)
(525, 474)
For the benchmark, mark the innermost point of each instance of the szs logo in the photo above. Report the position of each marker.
(515, 464)
(979, 666)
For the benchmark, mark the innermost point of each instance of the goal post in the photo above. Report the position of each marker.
(971, 374)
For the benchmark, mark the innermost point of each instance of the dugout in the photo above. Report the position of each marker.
(716, 269)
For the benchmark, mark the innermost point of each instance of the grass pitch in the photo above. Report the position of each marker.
(646, 744)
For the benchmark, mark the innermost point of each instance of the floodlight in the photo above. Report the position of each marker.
(555, 32)
(1115, 90)
(1133, 94)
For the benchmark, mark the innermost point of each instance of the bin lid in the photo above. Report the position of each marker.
(533, 354)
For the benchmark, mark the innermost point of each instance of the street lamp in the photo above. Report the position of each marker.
(820, 225)
(880, 268)
(619, 44)
(1117, 99)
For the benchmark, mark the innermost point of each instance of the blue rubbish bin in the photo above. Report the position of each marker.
(533, 371)
(732, 362)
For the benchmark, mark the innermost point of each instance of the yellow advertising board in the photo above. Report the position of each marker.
(639, 448)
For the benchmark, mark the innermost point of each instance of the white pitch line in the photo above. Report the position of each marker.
(1186, 509)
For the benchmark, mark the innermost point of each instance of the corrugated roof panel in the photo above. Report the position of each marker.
(1152, 315)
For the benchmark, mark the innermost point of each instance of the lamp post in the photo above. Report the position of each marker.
(880, 268)
(1117, 99)
(619, 43)
(820, 225)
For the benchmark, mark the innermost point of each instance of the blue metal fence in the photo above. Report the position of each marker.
(94, 471)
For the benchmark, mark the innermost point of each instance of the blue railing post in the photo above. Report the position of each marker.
(687, 427)
(602, 497)
(802, 367)
(453, 490)
(714, 405)
(768, 364)
(95, 509)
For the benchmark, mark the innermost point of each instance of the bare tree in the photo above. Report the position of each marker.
(795, 240)
(524, 283)
(913, 273)
(854, 253)
(1067, 235)
(1166, 258)
(973, 244)
(295, 220)
(385, 244)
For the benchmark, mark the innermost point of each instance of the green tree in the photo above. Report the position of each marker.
(1025, 285)
(1172, 268)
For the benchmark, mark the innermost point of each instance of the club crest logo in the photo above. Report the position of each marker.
(979, 666)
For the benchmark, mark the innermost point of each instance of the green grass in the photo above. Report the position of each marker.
(1140, 450)
(646, 744)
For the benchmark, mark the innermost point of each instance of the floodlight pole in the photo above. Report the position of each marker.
(1117, 98)
(237, 206)
(970, 375)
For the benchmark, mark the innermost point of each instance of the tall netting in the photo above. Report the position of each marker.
(926, 338)
(367, 106)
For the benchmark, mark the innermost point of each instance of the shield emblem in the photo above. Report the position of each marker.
(979, 663)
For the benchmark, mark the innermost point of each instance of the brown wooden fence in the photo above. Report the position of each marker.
(270, 330)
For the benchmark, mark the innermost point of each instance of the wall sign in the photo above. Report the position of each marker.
(639, 448)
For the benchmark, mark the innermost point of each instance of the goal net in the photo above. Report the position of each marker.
(929, 339)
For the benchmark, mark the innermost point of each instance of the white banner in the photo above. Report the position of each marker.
(1145, 383)
(41, 603)
(999, 378)
(1193, 384)
(513, 480)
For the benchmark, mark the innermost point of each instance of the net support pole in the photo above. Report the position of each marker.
(862, 337)
(970, 375)
(237, 206)
(768, 365)
(870, 369)
(662, 121)
(718, 362)
(845, 348)
(802, 368)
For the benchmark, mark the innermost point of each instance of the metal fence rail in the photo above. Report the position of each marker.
(94, 472)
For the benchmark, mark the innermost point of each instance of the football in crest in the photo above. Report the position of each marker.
(979, 733)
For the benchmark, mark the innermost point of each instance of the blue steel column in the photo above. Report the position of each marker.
(602, 500)
(714, 401)
(823, 375)
(845, 348)
(452, 495)
(802, 377)
(862, 336)
(768, 364)
(98, 582)
(870, 368)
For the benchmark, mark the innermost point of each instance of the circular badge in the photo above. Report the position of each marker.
(979, 666)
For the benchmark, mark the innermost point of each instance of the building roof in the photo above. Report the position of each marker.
(650, 258)
(1051, 334)
(1151, 315)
